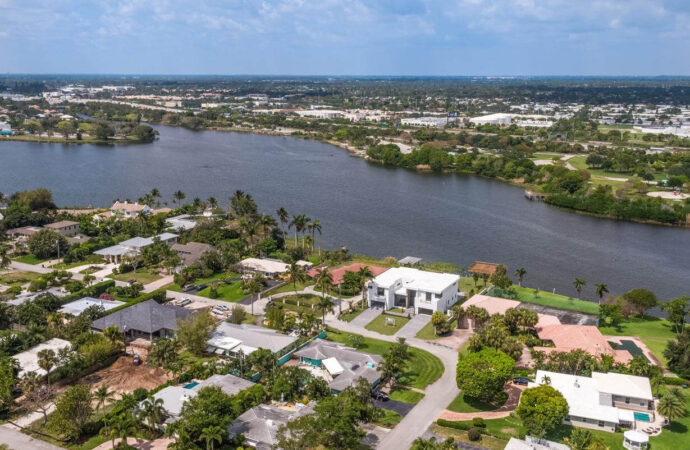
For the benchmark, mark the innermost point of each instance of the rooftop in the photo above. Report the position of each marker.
(583, 337)
(62, 224)
(229, 384)
(79, 306)
(338, 274)
(147, 317)
(265, 265)
(28, 360)
(260, 424)
(248, 338)
(416, 279)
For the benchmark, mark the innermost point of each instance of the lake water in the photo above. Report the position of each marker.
(368, 208)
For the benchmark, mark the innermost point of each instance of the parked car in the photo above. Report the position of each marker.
(379, 395)
(184, 302)
(189, 287)
(221, 308)
(521, 380)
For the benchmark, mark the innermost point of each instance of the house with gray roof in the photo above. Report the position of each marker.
(260, 425)
(231, 339)
(133, 246)
(229, 384)
(147, 319)
(342, 366)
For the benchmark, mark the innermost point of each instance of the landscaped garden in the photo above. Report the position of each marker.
(387, 324)
(654, 332)
(428, 331)
(545, 298)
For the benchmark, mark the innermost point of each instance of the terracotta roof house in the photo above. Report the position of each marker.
(338, 274)
(125, 210)
(481, 267)
(191, 251)
(571, 337)
(65, 227)
(148, 319)
(497, 305)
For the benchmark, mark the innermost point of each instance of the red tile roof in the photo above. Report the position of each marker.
(338, 274)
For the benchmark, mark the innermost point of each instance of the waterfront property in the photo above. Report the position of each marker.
(603, 401)
(182, 222)
(79, 306)
(426, 292)
(147, 319)
(338, 274)
(565, 338)
(191, 252)
(340, 365)
(28, 360)
(497, 305)
(133, 247)
(260, 424)
(269, 268)
(233, 340)
(126, 210)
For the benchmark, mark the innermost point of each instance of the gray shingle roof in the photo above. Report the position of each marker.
(147, 317)
(229, 384)
(260, 424)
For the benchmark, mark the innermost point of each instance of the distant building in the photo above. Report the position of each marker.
(5, 129)
(260, 425)
(65, 227)
(191, 252)
(493, 119)
(124, 210)
(183, 222)
(22, 232)
(426, 292)
(429, 122)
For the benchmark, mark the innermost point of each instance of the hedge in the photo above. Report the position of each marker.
(675, 381)
(91, 291)
(156, 295)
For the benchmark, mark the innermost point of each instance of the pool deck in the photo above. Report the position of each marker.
(645, 350)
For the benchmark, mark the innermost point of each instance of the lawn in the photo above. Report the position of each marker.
(489, 442)
(307, 303)
(428, 332)
(199, 281)
(17, 278)
(548, 156)
(30, 259)
(90, 260)
(229, 292)
(674, 435)
(579, 163)
(654, 332)
(389, 419)
(546, 298)
(466, 284)
(423, 369)
(406, 395)
(468, 405)
(380, 324)
(288, 287)
(141, 276)
(349, 316)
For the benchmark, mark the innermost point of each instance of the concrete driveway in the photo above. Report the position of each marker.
(395, 406)
(365, 317)
(17, 440)
(411, 328)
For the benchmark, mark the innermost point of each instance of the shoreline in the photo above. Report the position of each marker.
(58, 140)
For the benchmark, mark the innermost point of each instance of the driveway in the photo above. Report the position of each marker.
(367, 316)
(395, 406)
(412, 327)
(17, 440)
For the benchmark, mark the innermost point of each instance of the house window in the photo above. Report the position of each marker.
(380, 292)
(627, 400)
(642, 403)
(437, 296)
(428, 296)
(601, 423)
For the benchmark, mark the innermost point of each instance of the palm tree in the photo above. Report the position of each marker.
(601, 290)
(267, 223)
(323, 281)
(313, 227)
(123, 426)
(671, 406)
(283, 216)
(102, 395)
(579, 283)
(88, 279)
(178, 196)
(254, 287)
(296, 275)
(364, 274)
(520, 274)
(46, 361)
(4, 259)
(114, 335)
(325, 305)
(299, 223)
(212, 203)
(152, 412)
(155, 194)
(212, 434)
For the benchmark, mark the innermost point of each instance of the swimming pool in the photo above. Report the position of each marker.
(190, 385)
(642, 417)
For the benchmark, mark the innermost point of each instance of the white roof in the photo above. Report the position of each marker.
(416, 279)
(28, 360)
(173, 398)
(636, 436)
(223, 342)
(582, 395)
(265, 265)
(333, 366)
(115, 250)
(624, 385)
(78, 306)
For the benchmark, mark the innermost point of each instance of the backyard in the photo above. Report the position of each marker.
(654, 332)
(387, 324)
(545, 298)
(17, 278)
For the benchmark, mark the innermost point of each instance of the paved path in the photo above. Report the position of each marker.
(17, 440)
(365, 317)
(158, 283)
(514, 392)
(412, 327)
(437, 395)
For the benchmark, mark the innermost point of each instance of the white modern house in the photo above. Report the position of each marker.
(132, 247)
(426, 292)
(603, 401)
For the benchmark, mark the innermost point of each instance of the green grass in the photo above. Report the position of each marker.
(289, 288)
(675, 436)
(90, 260)
(380, 325)
(466, 284)
(546, 298)
(489, 442)
(350, 316)
(142, 276)
(30, 259)
(199, 281)
(389, 419)
(579, 163)
(468, 405)
(406, 395)
(654, 332)
(548, 156)
(17, 278)
(428, 332)
(423, 369)
(231, 292)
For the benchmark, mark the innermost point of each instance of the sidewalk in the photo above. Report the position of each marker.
(158, 283)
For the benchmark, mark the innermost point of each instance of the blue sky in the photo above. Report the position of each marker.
(346, 37)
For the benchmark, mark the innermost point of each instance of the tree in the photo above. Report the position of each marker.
(610, 314)
(296, 275)
(7, 382)
(324, 281)
(500, 277)
(601, 289)
(178, 196)
(65, 127)
(103, 131)
(672, 405)
(542, 409)
(580, 439)
(152, 413)
(194, 331)
(478, 315)
(164, 352)
(640, 300)
(212, 434)
(365, 274)
(482, 375)
(123, 425)
(46, 361)
(677, 353)
(520, 275)
(283, 216)
(299, 223)
(395, 360)
(237, 315)
(102, 396)
(432, 444)
(47, 243)
(254, 287)
(72, 410)
(313, 227)
(114, 335)
(440, 322)
(578, 284)
(677, 310)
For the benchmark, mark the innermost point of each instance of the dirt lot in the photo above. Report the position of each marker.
(123, 376)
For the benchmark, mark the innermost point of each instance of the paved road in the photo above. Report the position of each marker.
(367, 316)
(437, 395)
(412, 327)
(17, 440)
(392, 405)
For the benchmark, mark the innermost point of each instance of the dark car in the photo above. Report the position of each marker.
(521, 380)
(189, 287)
(379, 395)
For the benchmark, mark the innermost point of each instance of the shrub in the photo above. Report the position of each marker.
(140, 394)
(474, 434)
(676, 381)
(478, 422)
(456, 425)
(125, 268)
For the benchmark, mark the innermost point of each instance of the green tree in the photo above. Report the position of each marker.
(47, 243)
(254, 287)
(578, 284)
(123, 426)
(365, 274)
(440, 323)
(65, 127)
(212, 434)
(395, 360)
(677, 310)
(7, 382)
(72, 410)
(640, 300)
(601, 289)
(237, 314)
(194, 331)
(482, 375)
(580, 439)
(283, 216)
(520, 275)
(542, 409)
(103, 131)
(152, 413)
(178, 196)
(164, 352)
(500, 277)
(432, 444)
(672, 405)
(296, 275)
(102, 396)
(313, 227)
(47, 359)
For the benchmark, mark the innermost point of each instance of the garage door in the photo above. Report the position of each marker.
(425, 311)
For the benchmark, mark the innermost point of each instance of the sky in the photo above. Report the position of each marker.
(346, 37)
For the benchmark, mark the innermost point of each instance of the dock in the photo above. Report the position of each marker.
(531, 195)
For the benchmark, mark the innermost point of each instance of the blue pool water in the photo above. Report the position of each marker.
(642, 417)
(190, 385)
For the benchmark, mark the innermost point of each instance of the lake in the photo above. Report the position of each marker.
(366, 207)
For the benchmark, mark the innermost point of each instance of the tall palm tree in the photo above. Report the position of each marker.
(178, 196)
(267, 223)
(601, 290)
(364, 274)
(47, 359)
(323, 281)
(671, 407)
(296, 275)
(298, 223)
(520, 274)
(313, 227)
(212, 434)
(155, 195)
(103, 395)
(579, 283)
(254, 287)
(123, 426)
(152, 412)
(212, 203)
(283, 216)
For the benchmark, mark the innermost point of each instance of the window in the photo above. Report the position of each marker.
(428, 296)
(437, 296)
(601, 423)
(642, 403)
(380, 292)
(627, 400)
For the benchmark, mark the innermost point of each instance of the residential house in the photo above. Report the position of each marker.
(532, 443)
(28, 360)
(147, 319)
(234, 340)
(124, 210)
(229, 384)
(191, 252)
(173, 397)
(565, 338)
(132, 247)
(183, 222)
(341, 366)
(497, 305)
(22, 233)
(603, 401)
(426, 292)
(260, 424)
(77, 307)
(338, 274)
(65, 227)
(269, 268)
